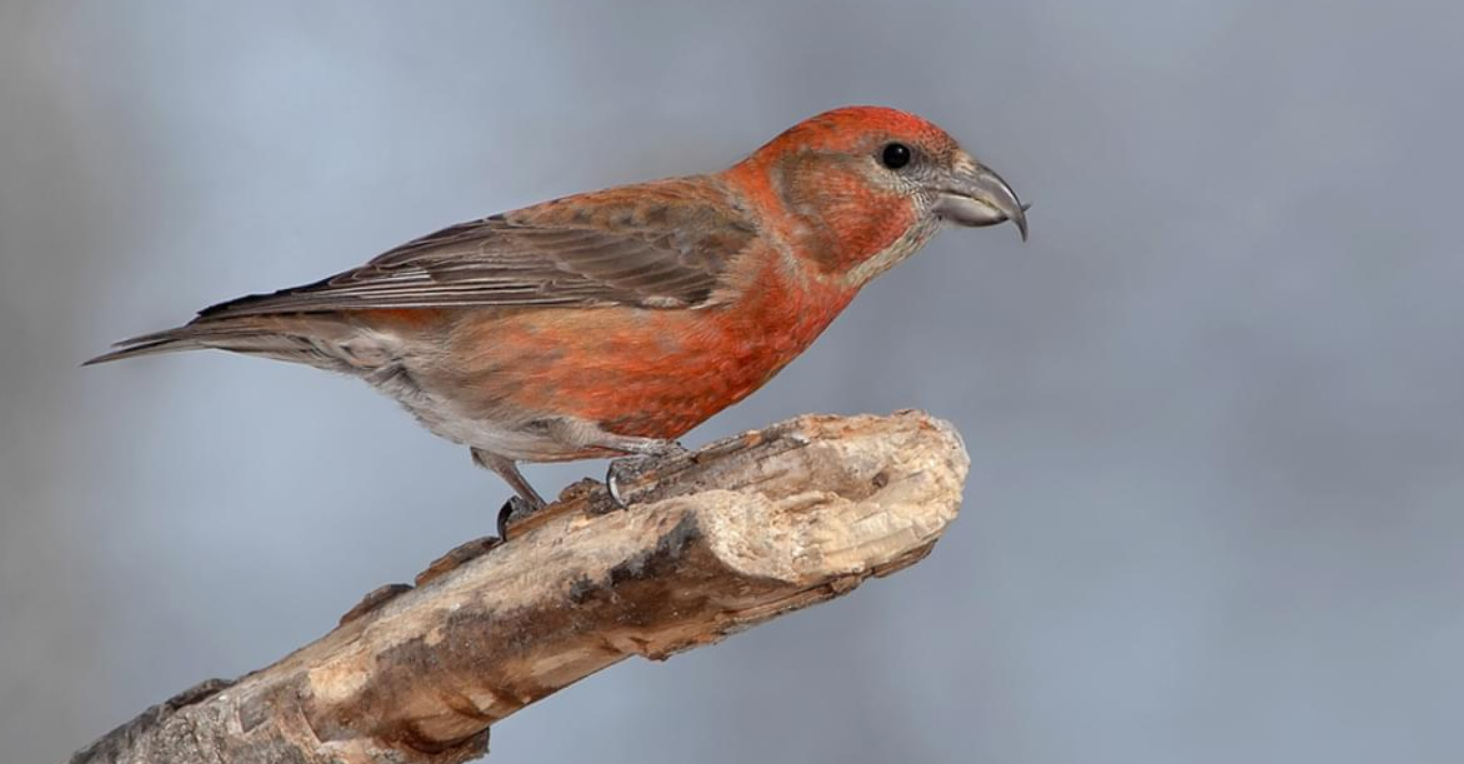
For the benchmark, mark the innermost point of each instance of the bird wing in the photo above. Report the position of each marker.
(660, 245)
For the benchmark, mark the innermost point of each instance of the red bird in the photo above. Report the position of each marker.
(612, 322)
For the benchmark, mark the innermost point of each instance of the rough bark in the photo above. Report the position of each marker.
(713, 542)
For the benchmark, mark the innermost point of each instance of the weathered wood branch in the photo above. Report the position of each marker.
(713, 542)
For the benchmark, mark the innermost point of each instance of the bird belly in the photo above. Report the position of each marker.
(629, 371)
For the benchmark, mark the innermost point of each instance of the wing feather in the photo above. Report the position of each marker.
(663, 244)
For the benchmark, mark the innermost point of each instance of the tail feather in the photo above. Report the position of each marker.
(170, 341)
(273, 336)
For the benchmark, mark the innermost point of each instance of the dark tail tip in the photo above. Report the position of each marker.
(147, 344)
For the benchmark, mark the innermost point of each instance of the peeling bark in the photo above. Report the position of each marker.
(713, 542)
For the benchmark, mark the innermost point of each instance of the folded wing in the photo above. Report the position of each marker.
(659, 245)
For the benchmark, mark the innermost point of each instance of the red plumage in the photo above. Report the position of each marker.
(613, 322)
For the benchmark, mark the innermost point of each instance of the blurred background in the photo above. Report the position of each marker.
(1214, 406)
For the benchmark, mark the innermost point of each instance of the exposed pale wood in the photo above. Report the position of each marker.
(714, 542)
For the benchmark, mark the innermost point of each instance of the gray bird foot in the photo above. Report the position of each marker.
(628, 469)
(512, 511)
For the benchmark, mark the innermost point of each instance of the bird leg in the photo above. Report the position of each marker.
(643, 451)
(579, 434)
(526, 501)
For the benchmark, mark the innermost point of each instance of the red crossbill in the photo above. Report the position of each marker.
(612, 322)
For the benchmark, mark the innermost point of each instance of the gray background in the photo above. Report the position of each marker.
(1213, 406)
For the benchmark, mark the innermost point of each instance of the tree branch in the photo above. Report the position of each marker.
(714, 542)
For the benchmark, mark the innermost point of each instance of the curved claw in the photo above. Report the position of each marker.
(615, 473)
(512, 510)
(612, 485)
(630, 468)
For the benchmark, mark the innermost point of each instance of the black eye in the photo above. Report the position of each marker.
(895, 156)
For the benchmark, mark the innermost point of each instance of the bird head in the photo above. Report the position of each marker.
(868, 185)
